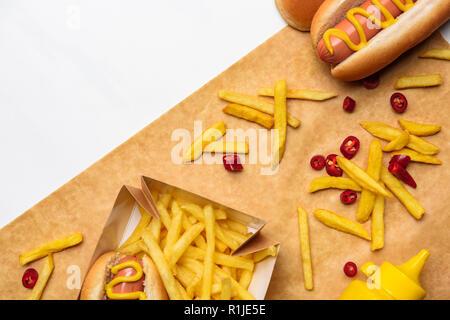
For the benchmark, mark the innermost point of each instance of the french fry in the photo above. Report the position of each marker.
(209, 256)
(236, 236)
(143, 223)
(237, 226)
(422, 81)
(322, 183)
(255, 103)
(165, 199)
(174, 231)
(153, 250)
(262, 254)
(211, 134)
(280, 122)
(195, 210)
(377, 225)
(361, 177)
(155, 228)
(305, 250)
(418, 157)
(44, 275)
(164, 215)
(442, 54)
(419, 129)
(398, 143)
(343, 224)
(227, 147)
(245, 278)
(241, 291)
(386, 132)
(226, 289)
(220, 234)
(51, 247)
(220, 258)
(249, 114)
(374, 163)
(397, 188)
(184, 242)
(302, 94)
(184, 275)
(220, 246)
(220, 214)
(132, 248)
(183, 292)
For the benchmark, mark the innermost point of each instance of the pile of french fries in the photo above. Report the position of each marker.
(271, 115)
(372, 184)
(47, 250)
(191, 247)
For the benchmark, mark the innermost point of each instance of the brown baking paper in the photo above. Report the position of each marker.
(84, 203)
(125, 216)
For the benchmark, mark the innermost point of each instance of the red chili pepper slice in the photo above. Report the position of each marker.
(350, 269)
(349, 104)
(317, 162)
(232, 162)
(29, 278)
(371, 82)
(399, 102)
(397, 170)
(332, 167)
(350, 147)
(401, 159)
(348, 197)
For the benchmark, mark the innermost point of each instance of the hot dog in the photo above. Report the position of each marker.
(358, 38)
(115, 276)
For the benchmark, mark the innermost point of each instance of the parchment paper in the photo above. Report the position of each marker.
(84, 203)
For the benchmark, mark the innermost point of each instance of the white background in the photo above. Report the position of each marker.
(79, 77)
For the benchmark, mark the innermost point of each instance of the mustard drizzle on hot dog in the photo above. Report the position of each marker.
(130, 295)
(389, 20)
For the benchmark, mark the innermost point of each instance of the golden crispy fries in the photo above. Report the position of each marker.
(155, 228)
(312, 95)
(262, 254)
(220, 258)
(280, 122)
(195, 210)
(397, 188)
(132, 248)
(442, 54)
(245, 278)
(220, 234)
(209, 255)
(249, 114)
(398, 143)
(377, 225)
(51, 247)
(237, 226)
(219, 214)
(165, 200)
(153, 250)
(241, 291)
(226, 289)
(164, 215)
(211, 134)
(419, 129)
(385, 132)
(322, 183)
(227, 147)
(337, 222)
(44, 275)
(374, 163)
(220, 246)
(418, 157)
(174, 231)
(255, 103)
(184, 242)
(143, 223)
(361, 177)
(429, 80)
(183, 292)
(305, 250)
(236, 236)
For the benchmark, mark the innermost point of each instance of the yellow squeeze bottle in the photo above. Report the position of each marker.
(389, 282)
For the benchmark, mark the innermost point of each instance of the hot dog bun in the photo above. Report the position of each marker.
(94, 283)
(298, 13)
(412, 27)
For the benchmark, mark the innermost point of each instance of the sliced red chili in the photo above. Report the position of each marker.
(232, 162)
(348, 197)
(350, 269)
(401, 159)
(371, 82)
(350, 147)
(29, 278)
(349, 104)
(397, 170)
(332, 167)
(317, 162)
(399, 102)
